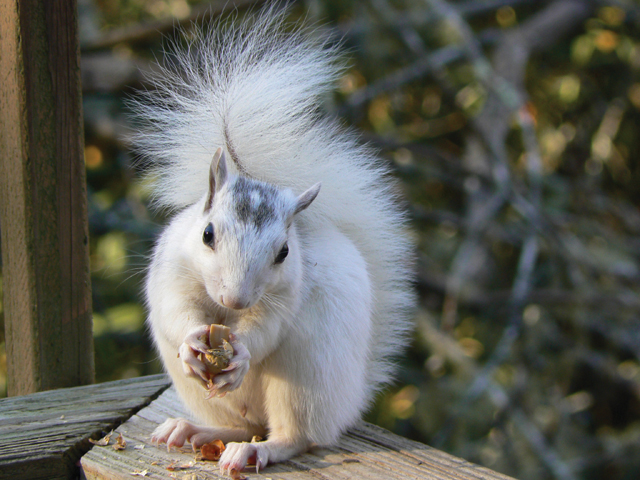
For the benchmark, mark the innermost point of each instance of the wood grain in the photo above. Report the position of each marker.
(366, 451)
(43, 206)
(43, 435)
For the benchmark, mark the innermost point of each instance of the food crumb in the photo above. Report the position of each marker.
(184, 466)
(236, 474)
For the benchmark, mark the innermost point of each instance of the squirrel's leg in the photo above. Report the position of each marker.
(286, 425)
(176, 431)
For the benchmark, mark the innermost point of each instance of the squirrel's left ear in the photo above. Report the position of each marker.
(217, 176)
(305, 199)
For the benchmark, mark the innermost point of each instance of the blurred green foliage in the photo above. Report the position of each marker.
(526, 356)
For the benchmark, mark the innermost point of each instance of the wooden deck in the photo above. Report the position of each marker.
(43, 435)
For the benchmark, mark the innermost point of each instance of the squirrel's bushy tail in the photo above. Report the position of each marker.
(256, 90)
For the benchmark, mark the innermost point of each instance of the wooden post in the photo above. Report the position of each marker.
(43, 205)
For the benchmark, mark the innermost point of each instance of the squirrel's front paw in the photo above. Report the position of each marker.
(232, 376)
(189, 351)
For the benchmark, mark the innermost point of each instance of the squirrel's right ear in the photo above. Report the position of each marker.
(217, 176)
(305, 199)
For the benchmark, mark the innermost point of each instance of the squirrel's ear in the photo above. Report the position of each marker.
(305, 199)
(217, 176)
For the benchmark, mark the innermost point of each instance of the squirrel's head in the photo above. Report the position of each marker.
(248, 237)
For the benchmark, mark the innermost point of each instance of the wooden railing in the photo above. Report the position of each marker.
(43, 202)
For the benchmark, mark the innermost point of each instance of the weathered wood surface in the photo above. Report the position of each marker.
(43, 205)
(43, 435)
(364, 452)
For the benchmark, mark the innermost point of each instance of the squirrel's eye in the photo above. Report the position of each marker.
(284, 251)
(207, 236)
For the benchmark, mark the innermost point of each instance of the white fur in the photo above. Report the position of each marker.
(322, 327)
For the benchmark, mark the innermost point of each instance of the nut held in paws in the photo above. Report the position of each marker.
(218, 357)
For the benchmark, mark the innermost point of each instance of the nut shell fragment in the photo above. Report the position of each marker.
(121, 443)
(104, 441)
(212, 450)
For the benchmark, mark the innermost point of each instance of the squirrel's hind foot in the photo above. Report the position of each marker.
(175, 432)
(238, 455)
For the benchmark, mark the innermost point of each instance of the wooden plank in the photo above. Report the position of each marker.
(366, 451)
(43, 435)
(43, 205)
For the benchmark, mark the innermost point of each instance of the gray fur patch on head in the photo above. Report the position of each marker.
(255, 202)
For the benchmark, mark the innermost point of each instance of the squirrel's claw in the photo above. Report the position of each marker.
(212, 391)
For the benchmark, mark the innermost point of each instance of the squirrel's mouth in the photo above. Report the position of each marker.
(234, 302)
(230, 300)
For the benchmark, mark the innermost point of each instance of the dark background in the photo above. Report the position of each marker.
(514, 128)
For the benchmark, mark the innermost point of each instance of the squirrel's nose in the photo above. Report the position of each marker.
(233, 302)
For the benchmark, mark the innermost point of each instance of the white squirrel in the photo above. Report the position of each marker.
(314, 284)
